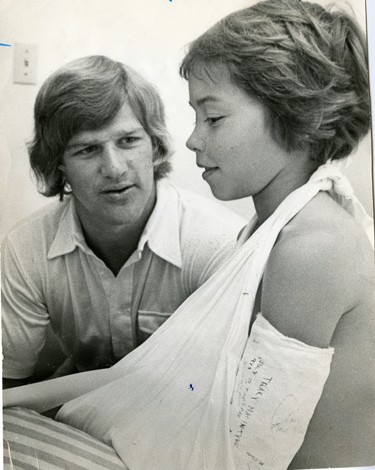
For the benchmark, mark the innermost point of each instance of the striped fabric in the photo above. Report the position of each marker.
(32, 441)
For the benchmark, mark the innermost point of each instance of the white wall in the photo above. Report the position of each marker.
(147, 34)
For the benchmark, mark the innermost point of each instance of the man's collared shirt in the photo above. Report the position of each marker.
(50, 275)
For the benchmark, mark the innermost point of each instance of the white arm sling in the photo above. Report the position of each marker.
(171, 408)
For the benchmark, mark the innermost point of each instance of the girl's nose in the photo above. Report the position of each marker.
(195, 142)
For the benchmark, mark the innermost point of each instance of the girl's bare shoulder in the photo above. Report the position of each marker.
(321, 267)
(324, 234)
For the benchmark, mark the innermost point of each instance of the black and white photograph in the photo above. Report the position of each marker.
(187, 234)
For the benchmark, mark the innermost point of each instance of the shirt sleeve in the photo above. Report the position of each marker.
(24, 315)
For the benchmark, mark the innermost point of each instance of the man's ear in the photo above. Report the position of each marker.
(157, 159)
(62, 169)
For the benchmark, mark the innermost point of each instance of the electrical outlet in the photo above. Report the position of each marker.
(25, 61)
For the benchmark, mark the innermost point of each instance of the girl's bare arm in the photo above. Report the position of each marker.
(319, 288)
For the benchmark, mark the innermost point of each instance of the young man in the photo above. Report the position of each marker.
(100, 270)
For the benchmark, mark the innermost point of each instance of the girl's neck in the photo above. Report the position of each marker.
(292, 176)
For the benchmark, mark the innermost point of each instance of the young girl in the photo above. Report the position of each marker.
(278, 90)
(270, 363)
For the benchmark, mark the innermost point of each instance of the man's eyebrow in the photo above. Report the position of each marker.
(81, 142)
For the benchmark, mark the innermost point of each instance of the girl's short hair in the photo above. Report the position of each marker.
(86, 94)
(306, 64)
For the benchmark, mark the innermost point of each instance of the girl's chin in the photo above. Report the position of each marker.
(223, 193)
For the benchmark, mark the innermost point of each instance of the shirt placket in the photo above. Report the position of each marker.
(118, 291)
(120, 311)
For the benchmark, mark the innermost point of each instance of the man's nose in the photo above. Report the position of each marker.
(113, 162)
(195, 142)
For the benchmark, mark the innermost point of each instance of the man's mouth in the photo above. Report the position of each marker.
(116, 189)
(116, 192)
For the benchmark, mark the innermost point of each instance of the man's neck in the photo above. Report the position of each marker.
(114, 249)
(114, 244)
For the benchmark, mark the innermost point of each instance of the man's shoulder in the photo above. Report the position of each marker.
(208, 232)
(207, 214)
(38, 226)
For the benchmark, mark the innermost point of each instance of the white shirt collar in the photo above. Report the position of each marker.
(69, 233)
(162, 231)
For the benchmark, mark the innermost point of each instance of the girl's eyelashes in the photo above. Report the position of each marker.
(210, 120)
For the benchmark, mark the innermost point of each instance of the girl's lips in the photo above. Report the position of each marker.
(208, 172)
